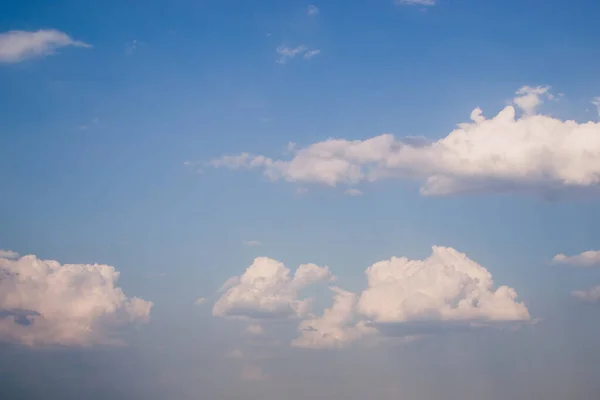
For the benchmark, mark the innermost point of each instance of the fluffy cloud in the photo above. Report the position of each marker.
(588, 296)
(446, 286)
(590, 258)
(268, 290)
(336, 327)
(529, 153)
(445, 291)
(17, 46)
(45, 303)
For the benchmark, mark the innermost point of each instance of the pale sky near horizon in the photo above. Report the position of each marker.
(392, 199)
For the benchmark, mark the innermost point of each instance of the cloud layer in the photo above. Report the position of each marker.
(16, 46)
(529, 153)
(446, 289)
(45, 303)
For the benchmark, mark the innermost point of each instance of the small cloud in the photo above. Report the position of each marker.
(586, 259)
(415, 2)
(287, 53)
(253, 373)
(596, 102)
(17, 46)
(311, 53)
(588, 296)
(252, 243)
(87, 127)
(156, 275)
(255, 329)
(130, 47)
(312, 10)
(9, 254)
(353, 192)
(301, 191)
(200, 301)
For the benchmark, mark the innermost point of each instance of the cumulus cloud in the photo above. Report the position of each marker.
(529, 154)
(416, 2)
(267, 290)
(445, 292)
(16, 46)
(286, 53)
(45, 303)
(446, 286)
(336, 327)
(588, 296)
(590, 258)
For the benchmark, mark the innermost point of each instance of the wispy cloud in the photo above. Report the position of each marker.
(287, 53)
(252, 243)
(416, 2)
(130, 47)
(16, 46)
(199, 301)
(312, 10)
(353, 192)
(596, 102)
(311, 53)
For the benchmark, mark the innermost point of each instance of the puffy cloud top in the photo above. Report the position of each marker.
(530, 153)
(268, 290)
(45, 303)
(445, 286)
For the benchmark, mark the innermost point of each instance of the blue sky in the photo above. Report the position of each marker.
(108, 149)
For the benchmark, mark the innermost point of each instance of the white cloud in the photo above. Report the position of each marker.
(46, 303)
(530, 154)
(311, 53)
(286, 53)
(353, 192)
(267, 290)
(446, 291)
(416, 2)
(588, 296)
(336, 327)
(199, 301)
(236, 354)
(16, 46)
(529, 98)
(312, 10)
(590, 258)
(8, 254)
(252, 243)
(446, 286)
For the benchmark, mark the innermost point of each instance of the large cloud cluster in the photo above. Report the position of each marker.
(267, 290)
(45, 303)
(507, 153)
(446, 288)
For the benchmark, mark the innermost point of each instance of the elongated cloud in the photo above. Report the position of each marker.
(267, 290)
(45, 303)
(16, 46)
(591, 295)
(587, 259)
(527, 154)
(416, 2)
